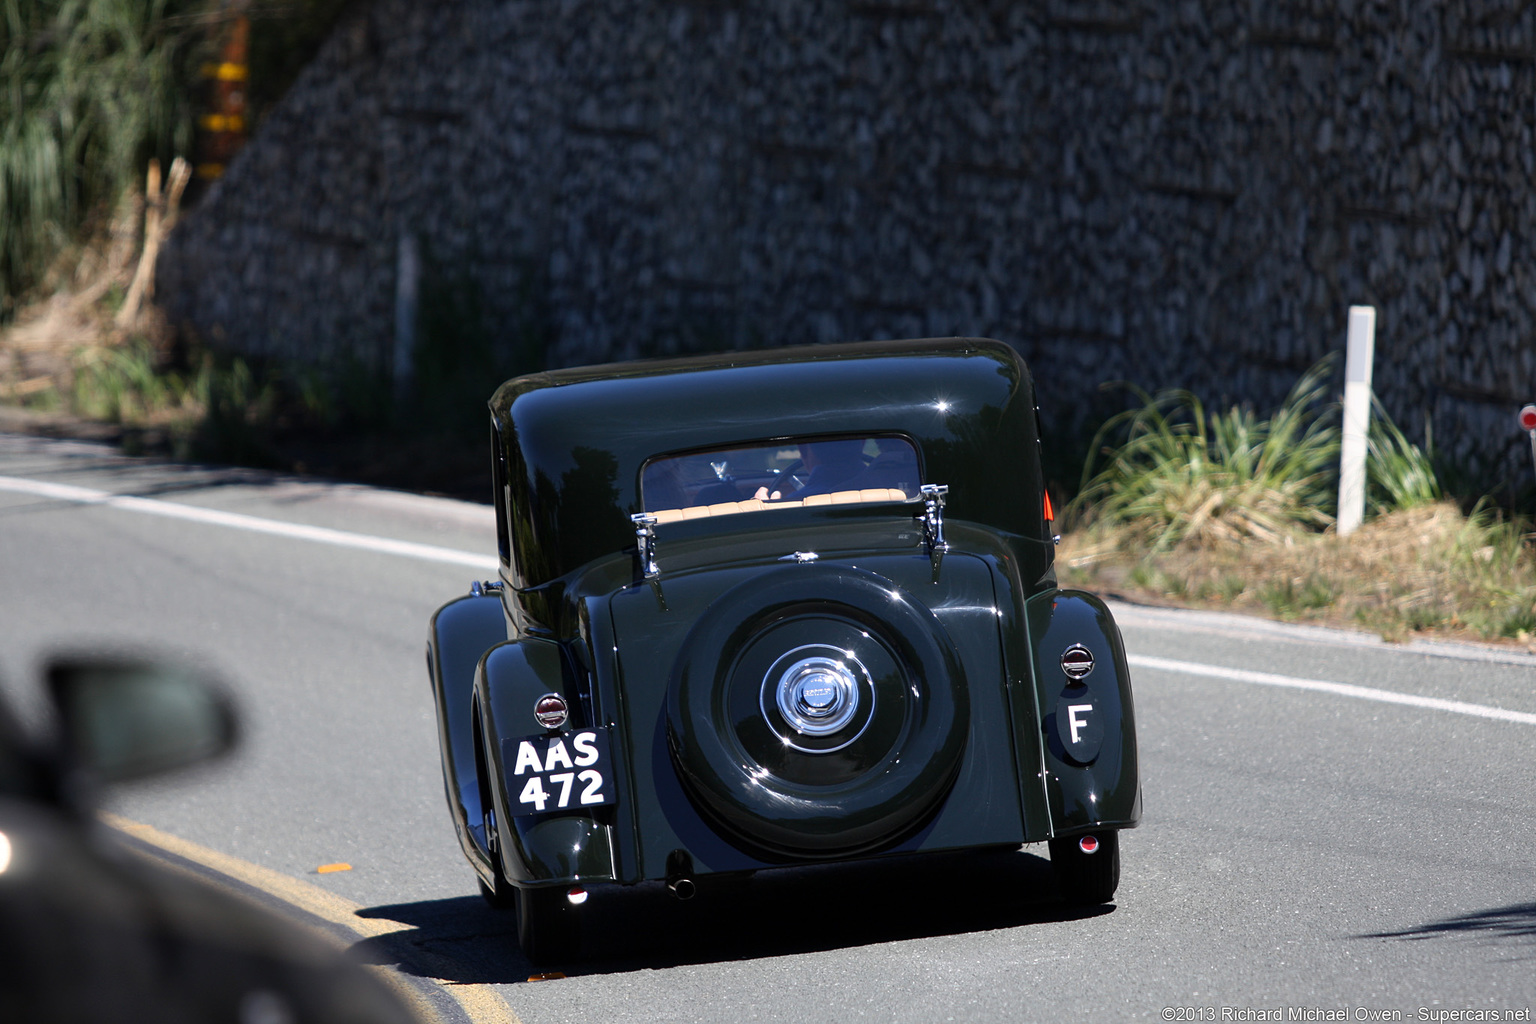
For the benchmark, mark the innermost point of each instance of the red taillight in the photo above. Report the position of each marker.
(1050, 513)
(1088, 844)
(551, 711)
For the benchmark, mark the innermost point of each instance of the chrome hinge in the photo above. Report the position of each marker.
(933, 524)
(933, 516)
(645, 543)
(486, 588)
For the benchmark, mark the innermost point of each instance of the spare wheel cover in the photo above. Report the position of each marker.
(818, 710)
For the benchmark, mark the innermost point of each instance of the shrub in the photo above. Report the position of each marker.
(89, 90)
(1185, 476)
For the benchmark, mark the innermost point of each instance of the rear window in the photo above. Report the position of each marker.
(780, 474)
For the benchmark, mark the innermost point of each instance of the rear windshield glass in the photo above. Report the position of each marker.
(780, 474)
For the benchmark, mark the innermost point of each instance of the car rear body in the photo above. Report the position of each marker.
(761, 671)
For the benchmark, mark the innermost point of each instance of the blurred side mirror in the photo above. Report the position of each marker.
(126, 719)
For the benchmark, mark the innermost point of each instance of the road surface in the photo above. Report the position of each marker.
(1333, 824)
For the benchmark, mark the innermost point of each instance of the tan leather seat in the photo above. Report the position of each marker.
(730, 508)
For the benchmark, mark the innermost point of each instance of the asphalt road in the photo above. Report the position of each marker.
(1311, 841)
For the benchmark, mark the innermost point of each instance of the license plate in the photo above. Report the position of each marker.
(558, 771)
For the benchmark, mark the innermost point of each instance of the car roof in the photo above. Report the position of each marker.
(575, 439)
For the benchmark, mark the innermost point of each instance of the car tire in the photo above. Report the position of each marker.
(1087, 879)
(503, 897)
(883, 754)
(500, 894)
(548, 927)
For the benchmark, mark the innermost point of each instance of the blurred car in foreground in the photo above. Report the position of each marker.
(91, 931)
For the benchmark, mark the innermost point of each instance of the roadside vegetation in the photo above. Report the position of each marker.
(96, 96)
(156, 392)
(1178, 505)
(91, 91)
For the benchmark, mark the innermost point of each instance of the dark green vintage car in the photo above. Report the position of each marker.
(773, 608)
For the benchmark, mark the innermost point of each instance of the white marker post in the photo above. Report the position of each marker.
(1357, 417)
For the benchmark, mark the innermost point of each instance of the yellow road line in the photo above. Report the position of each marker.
(479, 1002)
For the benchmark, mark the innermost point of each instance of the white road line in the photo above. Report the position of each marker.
(432, 553)
(1247, 627)
(1323, 686)
(253, 524)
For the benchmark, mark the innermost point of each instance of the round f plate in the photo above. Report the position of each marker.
(1079, 726)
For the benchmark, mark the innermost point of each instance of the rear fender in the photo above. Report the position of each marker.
(554, 847)
(1088, 726)
(459, 635)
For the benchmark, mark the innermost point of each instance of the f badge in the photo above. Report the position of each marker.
(1079, 725)
(1075, 723)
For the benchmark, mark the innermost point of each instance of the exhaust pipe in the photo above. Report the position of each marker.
(680, 874)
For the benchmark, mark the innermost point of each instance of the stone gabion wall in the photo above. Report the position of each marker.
(1167, 193)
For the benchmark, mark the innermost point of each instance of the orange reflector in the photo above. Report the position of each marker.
(546, 976)
(228, 71)
(326, 869)
(1050, 513)
(221, 123)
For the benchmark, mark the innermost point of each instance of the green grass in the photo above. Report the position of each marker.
(1180, 475)
(1291, 597)
(1427, 568)
(125, 386)
(1223, 589)
(1399, 474)
(1233, 511)
(89, 91)
(184, 401)
(218, 408)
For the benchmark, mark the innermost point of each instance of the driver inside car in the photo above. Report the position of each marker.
(831, 465)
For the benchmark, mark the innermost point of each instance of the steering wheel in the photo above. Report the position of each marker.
(787, 474)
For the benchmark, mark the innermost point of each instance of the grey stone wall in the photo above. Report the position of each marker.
(1169, 193)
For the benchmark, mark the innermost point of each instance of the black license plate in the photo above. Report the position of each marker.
(558, 771)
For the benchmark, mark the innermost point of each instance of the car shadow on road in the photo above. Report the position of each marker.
(1502, 925)
(773, 913)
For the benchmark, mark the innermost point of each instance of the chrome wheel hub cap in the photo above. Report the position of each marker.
(818, 695)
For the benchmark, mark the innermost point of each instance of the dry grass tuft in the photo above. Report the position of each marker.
(37, 350)
(1426, 569)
